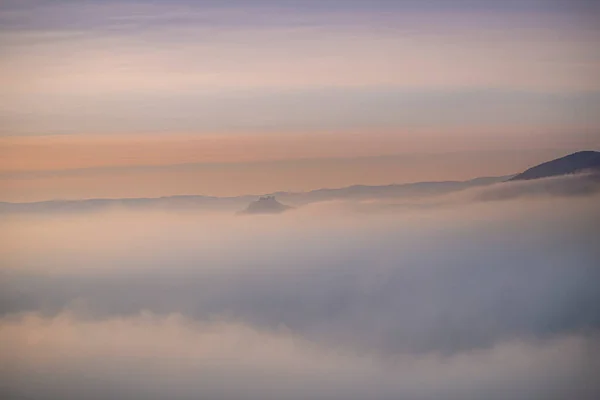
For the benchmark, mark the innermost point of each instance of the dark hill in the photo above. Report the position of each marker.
(573, 163)
(265, 205)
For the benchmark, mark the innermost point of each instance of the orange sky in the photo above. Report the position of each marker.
(88, 166)
(108, 99)
(62, 152)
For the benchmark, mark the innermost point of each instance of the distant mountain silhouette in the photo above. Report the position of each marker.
(190, 202)
(365, 192)
(573, 163)
(265, 205)
(576, 162)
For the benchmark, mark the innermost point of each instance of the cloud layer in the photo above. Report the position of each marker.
(151, 357)
(448, 300)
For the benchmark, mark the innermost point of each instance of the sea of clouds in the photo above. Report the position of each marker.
(491, 293)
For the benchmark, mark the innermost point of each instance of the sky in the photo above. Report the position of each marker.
(228, 85)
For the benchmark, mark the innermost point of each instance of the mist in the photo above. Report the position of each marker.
(487, 293)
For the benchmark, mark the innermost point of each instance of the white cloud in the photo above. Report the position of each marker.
(149, 357)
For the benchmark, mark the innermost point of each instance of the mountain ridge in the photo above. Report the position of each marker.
(232, 202)
(570, 164)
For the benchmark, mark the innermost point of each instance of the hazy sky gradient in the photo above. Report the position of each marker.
(251, 80)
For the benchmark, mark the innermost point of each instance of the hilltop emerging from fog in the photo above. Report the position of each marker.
(265, 205)
(581, 161)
